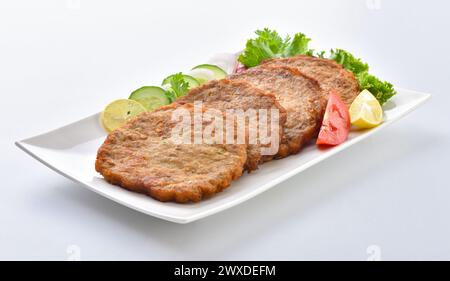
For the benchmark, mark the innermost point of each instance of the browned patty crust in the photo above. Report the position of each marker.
(141, 157)
(226, 94)
(301, 97)
(328, 73)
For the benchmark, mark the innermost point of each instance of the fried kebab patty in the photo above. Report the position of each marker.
(226, 94)
(141, 157)
(301, 97)
(328, 73)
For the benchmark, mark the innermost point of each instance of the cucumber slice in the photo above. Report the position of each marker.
(151, 97)
(203, 75)
(217, 72)
(188, 78)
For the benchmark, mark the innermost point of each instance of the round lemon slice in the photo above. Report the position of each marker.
(120, 111)
(366, 111)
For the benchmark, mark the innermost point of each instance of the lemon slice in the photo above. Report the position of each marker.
(120, 111)
(366, 111)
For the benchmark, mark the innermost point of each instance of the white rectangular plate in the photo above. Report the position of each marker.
(71, 151)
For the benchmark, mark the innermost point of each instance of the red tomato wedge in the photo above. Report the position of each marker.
(336, 122)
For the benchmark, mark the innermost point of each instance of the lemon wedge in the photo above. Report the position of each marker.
(120, 111)
(366, 111)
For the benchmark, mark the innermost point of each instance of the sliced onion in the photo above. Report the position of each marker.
(240, 68)
(226, 61)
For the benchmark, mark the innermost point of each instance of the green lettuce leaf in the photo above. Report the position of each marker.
(348, 61)
(298, 46)
(382, 90)
(269, 44)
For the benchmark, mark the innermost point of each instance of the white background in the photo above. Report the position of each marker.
(63, 60)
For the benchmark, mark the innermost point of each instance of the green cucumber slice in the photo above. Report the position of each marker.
(203, 75)
(151, 97)
(189, 79)
(217, 72)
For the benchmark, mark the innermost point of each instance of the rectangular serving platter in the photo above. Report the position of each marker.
(71, 151)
